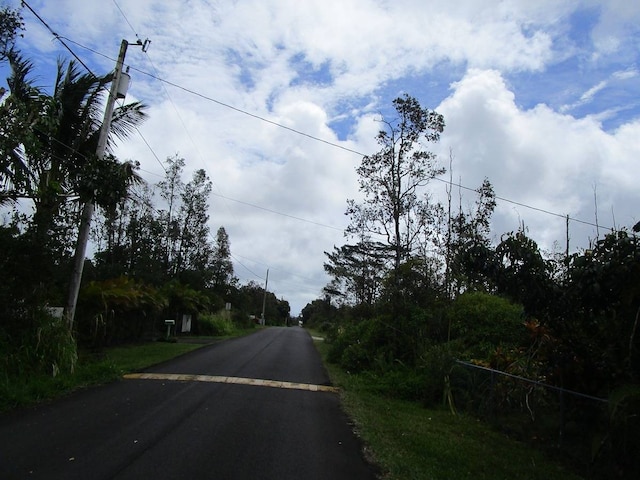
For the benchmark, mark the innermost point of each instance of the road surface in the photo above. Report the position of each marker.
(256, 407)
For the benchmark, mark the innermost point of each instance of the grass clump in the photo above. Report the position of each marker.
(215, 325)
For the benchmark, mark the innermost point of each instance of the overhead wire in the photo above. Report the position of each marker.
(298, 132)
(126, 19)
(58, 37)
(166, 92)
(279, 213)
(258, 117)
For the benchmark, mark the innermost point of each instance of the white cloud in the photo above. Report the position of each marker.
(586, 97)
(626, 74)
(249, 54)
(540, 158)
(617, 26)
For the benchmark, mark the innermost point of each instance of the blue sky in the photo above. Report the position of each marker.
(540, 97)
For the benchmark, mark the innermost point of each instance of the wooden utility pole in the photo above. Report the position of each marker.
(87, 211)
(264, 299)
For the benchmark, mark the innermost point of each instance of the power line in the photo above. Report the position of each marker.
(279, 213)
(61, 40)
(58, 37)
(175, 108)
(75, 151)
(223, 104)
(245, 267)
(140, 133)
(126, 19)
(530, 207)
(258, 117)
(151, 149)
(266, 120)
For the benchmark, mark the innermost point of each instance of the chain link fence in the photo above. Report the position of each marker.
(564, 423)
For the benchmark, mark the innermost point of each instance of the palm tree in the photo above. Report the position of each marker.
(18, 112)
(73, 120)
(48, 147)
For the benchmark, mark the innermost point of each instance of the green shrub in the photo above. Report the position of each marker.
(214, 325)
(436, 365)
(356, 346)
(403, 383)
(483, 322)
(116, 311)
(355, 358)
(46, 347)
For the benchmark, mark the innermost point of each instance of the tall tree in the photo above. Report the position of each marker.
(222, 266)
(391, 180)
(194, 250)
(357, 271)
(170, 189)
(469, 245)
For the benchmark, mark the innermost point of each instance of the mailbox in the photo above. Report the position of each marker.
(168, 323)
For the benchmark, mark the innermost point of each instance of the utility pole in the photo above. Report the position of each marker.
(264, 299)
(115, 92)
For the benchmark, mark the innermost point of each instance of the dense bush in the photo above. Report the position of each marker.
(116, 311)
(356, 346)
(483, 322)
(436, 365)
(46, 347)
(214, 325)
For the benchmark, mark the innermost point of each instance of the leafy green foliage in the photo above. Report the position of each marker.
(622, 439)
(483, 322)
(250, 298)
(216, 325)
(357, 346)
(468, 256)
(357, 272)
(408, 441)
(117, 311)
(11, 23)
(44, 347)
(449, 292)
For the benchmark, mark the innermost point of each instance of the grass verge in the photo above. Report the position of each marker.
(408, 441)
(92, 369)
(98, 368)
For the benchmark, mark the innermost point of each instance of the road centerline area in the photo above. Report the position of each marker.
(181, 377)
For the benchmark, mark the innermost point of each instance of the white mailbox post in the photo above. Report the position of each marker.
(168, 323)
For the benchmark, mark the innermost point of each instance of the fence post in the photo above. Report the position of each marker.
(492, 399)
(562, 418)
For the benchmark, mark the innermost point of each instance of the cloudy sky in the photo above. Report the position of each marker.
(541, 97)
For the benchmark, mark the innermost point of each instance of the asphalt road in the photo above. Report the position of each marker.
(198, 426)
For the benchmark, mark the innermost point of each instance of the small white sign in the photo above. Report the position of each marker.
(186, 323)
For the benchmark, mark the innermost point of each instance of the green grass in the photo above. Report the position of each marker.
(92, 369)
(96, 368)
(408, 441)
(131, 358)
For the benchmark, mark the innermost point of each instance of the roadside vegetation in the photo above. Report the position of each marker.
(407, 440)
(428, 305)
(154, 255)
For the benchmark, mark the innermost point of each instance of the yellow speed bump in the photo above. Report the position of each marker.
(181, 377)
